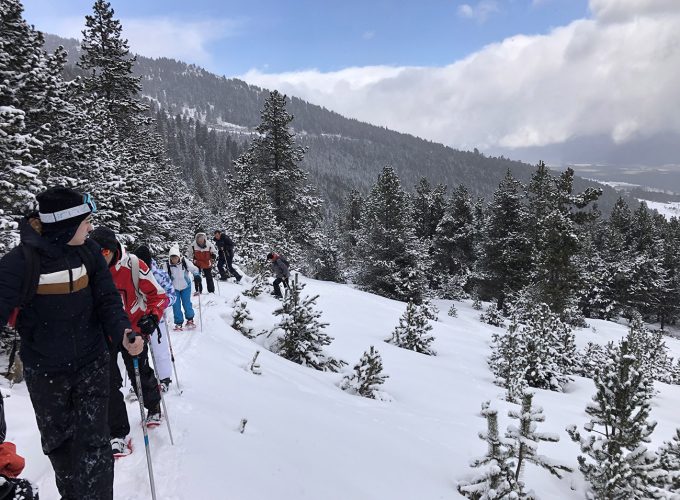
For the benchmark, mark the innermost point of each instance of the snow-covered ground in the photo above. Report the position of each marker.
(307, 439)
(668, 210)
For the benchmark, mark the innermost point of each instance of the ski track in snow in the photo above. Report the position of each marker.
(307, 439)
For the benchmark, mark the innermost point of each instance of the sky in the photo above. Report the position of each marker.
(499, 75)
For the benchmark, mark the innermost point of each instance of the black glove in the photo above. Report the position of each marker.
(147, 324)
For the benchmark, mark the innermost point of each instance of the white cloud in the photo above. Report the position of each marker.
(368, 35)
(591, 77)
(183, 39)
(479, 11)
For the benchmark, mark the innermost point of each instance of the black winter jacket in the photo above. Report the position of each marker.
(72, 317)
(224, 245)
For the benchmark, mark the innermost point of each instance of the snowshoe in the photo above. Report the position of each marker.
(154, 418)
(196, 294)
(131, 396)
(121, 447)
(190, 325)
(178, 328)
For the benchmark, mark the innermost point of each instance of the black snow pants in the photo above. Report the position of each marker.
(71, 409)
(118, 418)
(207, 272)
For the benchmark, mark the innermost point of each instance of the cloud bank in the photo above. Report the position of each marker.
(615, 74)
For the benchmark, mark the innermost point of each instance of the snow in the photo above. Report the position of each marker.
(307, 439)
(668, 210)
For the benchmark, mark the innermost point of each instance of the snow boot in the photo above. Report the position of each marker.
(154, 417)
(165, 384)
(190, 325)
(121, 447)
(178, 328)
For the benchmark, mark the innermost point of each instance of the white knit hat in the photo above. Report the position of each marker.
(174, 250)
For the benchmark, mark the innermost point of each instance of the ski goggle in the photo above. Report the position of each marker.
(89, 201)
(88, 206)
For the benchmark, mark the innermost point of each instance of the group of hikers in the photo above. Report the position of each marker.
(78, 299)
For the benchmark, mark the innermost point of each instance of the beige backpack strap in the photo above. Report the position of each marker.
(134, 269)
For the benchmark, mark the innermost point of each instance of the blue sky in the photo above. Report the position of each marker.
(279, 36)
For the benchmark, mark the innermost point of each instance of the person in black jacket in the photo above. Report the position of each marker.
(65, 329)
(225, 251)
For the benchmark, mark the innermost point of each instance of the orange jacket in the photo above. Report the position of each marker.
(11, 464)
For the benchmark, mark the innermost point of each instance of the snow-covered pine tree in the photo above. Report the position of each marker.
(240, 316)
(367, 376)
(669, 465)
(413, 331)
(507, 363)
(505, 257)
(649, 349)
(303, 338)
(276, 157)
(525, 439)
(349, 225)
(496, 478)
(256, 287)
(589, 359)
(615, 461)
(388, 250)
(492, 316)
(21, 64)
(476, 302)
(453, 312)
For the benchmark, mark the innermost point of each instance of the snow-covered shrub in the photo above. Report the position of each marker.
(492, 316)
(367, 375)
(413, 331)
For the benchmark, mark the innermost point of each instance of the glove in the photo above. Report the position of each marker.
(147, 324)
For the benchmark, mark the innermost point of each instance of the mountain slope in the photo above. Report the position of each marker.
(307, 439)
(343, 153)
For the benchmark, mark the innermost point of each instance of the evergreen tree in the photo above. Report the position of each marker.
(349, 225)
(21, 62)
(453, 312)
(507, 362)
(413, 331)
(495, 480)
(492, 316)
(506, 246)
(276, 157)
(615, 461)
(590, 359)
(303, 338)
(526, 439)
(240, 316)
(367, 376)
(669, 465)
(388, 250)
(649, 350)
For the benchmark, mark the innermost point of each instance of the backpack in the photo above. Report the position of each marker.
(184, 266)
(134, 270)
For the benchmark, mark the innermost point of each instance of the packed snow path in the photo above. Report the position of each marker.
(307, 439)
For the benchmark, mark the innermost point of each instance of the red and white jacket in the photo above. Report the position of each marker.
(156, 298)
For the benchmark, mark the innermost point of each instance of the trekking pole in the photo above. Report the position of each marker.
(165, 408)
(200, 313)
(140, 397)
(219, 292)
(172, 357)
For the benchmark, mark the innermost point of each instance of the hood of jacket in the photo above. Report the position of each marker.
(51, 242)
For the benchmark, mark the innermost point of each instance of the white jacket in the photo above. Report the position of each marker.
(181, 278)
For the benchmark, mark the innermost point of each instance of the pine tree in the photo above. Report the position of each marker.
(492, 316)
(590, 359)
(615, 461)
(256, 287)
(413, 331)
(669, 465)
(507, 362)
(21, 67)
(649, 350)
(495, 481)
(367, 376)
(349, 225)
(453, 312)
(240, 316)
(303, 338)
(526, 439)
(388, 251)
(505, 260)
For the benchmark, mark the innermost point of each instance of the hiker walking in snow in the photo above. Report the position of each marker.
(280, 270)
(225, 248)
(180, 271)
(144, 301)
(70, 310)
(159, 343)
(202, 253)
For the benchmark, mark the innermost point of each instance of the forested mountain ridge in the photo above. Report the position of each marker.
(343, 153)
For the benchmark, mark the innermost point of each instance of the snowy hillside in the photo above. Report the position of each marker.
(307, 439)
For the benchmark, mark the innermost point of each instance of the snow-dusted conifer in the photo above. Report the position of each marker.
(413, 331)
(526, 439)
(507, 362)
(590, 359)
(367, 376)
(256, 287)
(669, 464)
(453, 312)
(615, 461)
(648, 348)
(496, 479)
(303, 338)
(240, 316)
(492, 316)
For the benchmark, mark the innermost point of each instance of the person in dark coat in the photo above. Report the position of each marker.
(65, 331)
(225, 255)
(280, 270)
